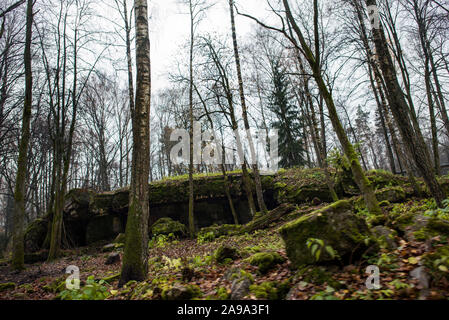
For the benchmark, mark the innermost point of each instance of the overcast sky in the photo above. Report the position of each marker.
(170, 29)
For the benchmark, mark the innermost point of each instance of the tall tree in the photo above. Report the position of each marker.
(258, 183)
(135, 258)
(359, 176)
(291, 146)
(411, 135)
(20, 187)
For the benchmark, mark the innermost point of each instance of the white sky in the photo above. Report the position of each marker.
(170, 29)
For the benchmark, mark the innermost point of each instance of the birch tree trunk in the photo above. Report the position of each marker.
(135, 258)
(258, 183)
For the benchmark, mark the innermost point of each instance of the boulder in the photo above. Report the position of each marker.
(181, 292)
(391, 194)
(266, 261)
(167, 226)
(35, 235)
(225, 252)
(385, 237)
(336, 225)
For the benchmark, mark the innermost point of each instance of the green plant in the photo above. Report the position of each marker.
(92, 290)
(205, 237)
(161, 240)
(441, 213)
(316, 245)
(172, 264)
(327, 294)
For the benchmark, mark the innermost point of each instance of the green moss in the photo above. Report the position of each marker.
(219, 230)
(318, 275)
(336, 225)
(271, 290)
(178, 292)
(266, 261)
(168, 226)
(224, 252)
(7, 286)
(222, 294)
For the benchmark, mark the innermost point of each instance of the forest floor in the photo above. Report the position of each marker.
(191, 263)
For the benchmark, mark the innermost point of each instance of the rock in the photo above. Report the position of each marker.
(108, 248)
(113, 258)
(240, 288)
(120, 238)
(391, 194)
(336, 225)
(385, 237)
(421, 275)
(216, 231)
(35, 235)
(423, 228)
(225, 252)
(181, 292)
(266, 261)
(7, 286)
(168, 226)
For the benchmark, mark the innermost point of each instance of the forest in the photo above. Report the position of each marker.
(224, 150)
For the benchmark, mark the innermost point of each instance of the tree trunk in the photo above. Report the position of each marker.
(258, 183)
(412, 137)
(359, 176)
(20, 187)
(135, 257)
(191, 202)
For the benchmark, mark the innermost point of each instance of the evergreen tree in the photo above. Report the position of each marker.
(290, 126)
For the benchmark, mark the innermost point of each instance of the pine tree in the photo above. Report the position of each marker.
(291, 145)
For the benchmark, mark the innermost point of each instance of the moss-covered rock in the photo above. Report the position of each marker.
(35, 235)
(391, 194)
(336, 225)
(224, 253)
(266, 261)
(270, 290)
(181, 292)
(386, 237)
(424, 228)
(217, 231)
(7, 286)
(168, 226)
